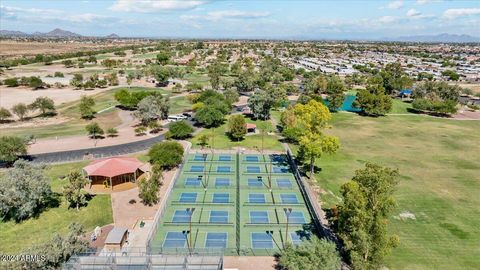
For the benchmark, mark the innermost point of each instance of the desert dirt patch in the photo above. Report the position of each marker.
(10, 48)
(11, 96)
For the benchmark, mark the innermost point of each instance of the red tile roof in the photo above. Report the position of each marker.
(110, 167)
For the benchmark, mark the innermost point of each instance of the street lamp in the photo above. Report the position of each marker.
(200, 178)
(186, 237)
(270, 233)
(287, 211)
(204, 156)
(260, 179)
(190, 214)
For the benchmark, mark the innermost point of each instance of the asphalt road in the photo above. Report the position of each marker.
(95, 152)
(101, 152)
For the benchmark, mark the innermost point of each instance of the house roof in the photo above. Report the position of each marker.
(115, 236)
(250, 126)
(110, 167)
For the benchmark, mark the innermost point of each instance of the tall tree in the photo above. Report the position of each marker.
(203, 140)
(148, 187)
(73, 190)
(314, 254)
(394, 78)
(94, 130)
(335, 91)
(363, 216)
(246, 81)
(209, 116)
(215, 70)
(231, 96)
(86, 107)
(20, 110)
(152, 107)
(237, 127)
(314, 145)
(163, 57)
(260, 103)
(305, 123)
(44, 104)
(25, 191)
(373, 100)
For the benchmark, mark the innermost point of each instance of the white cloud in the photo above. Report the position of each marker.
(154, 5)
(387, 19)
(218, 15)
(413, 13)
(227, 14)
(424, 2)
(86, 18)
(395, 4)
(29, 10)
(460, 12)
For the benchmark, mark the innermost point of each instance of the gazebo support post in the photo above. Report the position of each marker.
(135, 176)
(111, 186)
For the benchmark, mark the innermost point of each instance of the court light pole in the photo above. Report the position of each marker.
(271, 235)
(190, 214)
(204, 156)
(260, 179)
(287, 211)
(188, 242)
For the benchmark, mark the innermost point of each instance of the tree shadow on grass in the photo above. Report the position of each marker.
(88, 198)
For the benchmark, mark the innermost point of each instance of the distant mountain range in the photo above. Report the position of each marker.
(113, 35)
(447, 38)
(55, 33)
(440, 38)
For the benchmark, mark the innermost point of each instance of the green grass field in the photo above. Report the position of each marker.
(251, 141)
(179, 105)
(400, 107)
(18, 236)
(439, 166)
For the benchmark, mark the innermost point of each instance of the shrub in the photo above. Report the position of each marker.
(166, 155)
(179, 130)
(25, 191)
(58, 74)
(112, 132)
(4, 114)
(11, 82)
(140, 130)
(11, 147)
(94, 130)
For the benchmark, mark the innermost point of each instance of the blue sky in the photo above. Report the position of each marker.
(244, 18)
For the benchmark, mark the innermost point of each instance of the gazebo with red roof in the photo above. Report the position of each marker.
(114, 170)
(250, 127)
